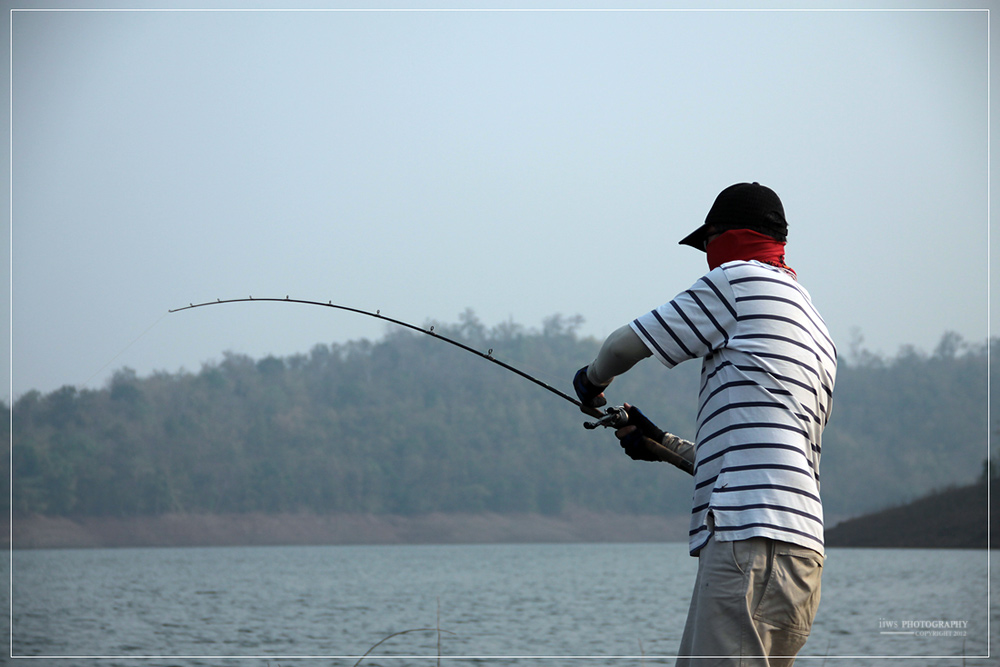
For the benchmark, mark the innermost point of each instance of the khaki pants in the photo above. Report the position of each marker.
(753, 604)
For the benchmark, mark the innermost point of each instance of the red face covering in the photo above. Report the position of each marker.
(744, 244)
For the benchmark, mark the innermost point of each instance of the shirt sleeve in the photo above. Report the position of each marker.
(695, 323)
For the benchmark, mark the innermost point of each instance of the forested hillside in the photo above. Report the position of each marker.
(410, 425)
(964, 517)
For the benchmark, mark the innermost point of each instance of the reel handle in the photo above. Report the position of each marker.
(614, 417)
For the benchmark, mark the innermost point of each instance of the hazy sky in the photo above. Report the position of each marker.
(521, 164)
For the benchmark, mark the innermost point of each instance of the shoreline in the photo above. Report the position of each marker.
(304, 529)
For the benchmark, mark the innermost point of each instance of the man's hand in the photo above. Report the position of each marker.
(590, 394)
(640, 438)
(643, 441)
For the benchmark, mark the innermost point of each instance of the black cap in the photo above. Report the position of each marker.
(743, 206)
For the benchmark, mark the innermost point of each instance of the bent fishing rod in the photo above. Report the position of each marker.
(613, 417)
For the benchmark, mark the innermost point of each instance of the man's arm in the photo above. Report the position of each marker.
(622, 350)
(675, 450)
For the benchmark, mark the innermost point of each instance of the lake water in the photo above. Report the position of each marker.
(613, 604)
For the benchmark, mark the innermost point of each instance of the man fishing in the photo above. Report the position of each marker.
(768, 372)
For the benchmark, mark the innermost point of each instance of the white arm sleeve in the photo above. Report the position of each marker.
(620, 352)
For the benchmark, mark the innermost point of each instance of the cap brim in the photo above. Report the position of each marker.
(696, 239)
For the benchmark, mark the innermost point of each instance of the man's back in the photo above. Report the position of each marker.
(766, 394)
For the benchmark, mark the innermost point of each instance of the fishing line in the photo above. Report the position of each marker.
(428, 331)
(124, 350)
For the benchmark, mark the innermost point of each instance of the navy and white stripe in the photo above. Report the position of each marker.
(768, 371)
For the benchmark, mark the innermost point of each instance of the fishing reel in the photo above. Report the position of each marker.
(615, 417)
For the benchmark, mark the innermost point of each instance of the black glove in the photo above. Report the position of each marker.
(639, 443)
(591, 395)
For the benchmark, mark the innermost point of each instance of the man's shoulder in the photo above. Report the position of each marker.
(751, 267)
(754, 273)
(753, 277)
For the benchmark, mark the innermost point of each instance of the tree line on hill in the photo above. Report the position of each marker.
(408, 425)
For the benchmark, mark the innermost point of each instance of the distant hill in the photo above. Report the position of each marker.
(955, 518)
(407, 426)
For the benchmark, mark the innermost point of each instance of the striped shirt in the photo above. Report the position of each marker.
(766, 393)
